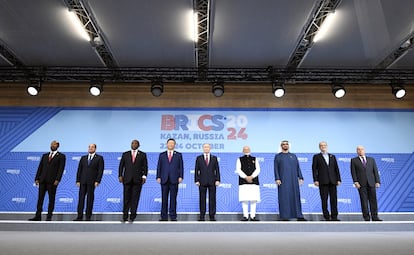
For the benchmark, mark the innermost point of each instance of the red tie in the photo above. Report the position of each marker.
(207, 159)
(50, 156)
(133, 156)
(169, 156)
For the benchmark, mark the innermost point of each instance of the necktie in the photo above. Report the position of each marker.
(169, 156)
(133, 156)
(89, 159)
(206, 159)
(50, 156)
(364, 162)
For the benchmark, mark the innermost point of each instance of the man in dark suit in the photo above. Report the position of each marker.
(366, 179)
(170, 172)
(88, 177)
(48, 176)
(326, 176)
(133, 170)
(207, 177)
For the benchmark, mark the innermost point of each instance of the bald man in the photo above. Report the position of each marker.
(48, 176)
(88, 177)
(366, 179)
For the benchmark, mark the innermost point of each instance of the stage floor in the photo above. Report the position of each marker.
(392, 222)
(107, 235)
(206, 243)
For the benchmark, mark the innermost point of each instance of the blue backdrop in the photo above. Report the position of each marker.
(26, 134)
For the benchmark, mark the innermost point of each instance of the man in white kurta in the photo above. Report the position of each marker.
(248, 169)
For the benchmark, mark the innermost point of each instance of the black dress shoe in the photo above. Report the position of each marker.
(335, 219)
(376, 219)
(366, 219)
(173, 219)
(254, 219)
(77, 219)
(244, 219)
(88, 219)
(48, 219)
(35, 219)
(163, 220)
(302, 219)
(212, 219)
(201, 219)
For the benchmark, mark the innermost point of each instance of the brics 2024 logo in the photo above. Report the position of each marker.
(236, 125)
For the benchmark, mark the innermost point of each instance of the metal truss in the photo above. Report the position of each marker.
(9, 56)
(202, 10)
(319, 13)
(405, 45)
(191, 75)
(14, 61)
(91, 27)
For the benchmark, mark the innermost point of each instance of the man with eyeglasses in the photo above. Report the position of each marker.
(288, 177)
(248, 169)
(326, 177)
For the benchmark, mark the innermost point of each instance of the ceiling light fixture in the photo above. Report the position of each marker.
(338, 91)
(193, 25)
(96, 88)
(34, 88)
(324, 28)
(218, 89)
(157, 88)
(398, 90)
(278, 89)
(78, 25)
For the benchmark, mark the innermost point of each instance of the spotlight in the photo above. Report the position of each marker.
(398, 90)
(34, 88)
(96, 88)
(218, 89)
(278, 89)
(157, 88)
(338, 91)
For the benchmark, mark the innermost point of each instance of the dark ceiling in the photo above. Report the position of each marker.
(243, 35)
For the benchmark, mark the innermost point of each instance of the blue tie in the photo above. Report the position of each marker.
(89, 160)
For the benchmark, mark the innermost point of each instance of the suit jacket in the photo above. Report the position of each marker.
(206, 175)
(89, 174)
(133, 172)
(170, 171)
(324, 173)
(49, 172)
(365, 175)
